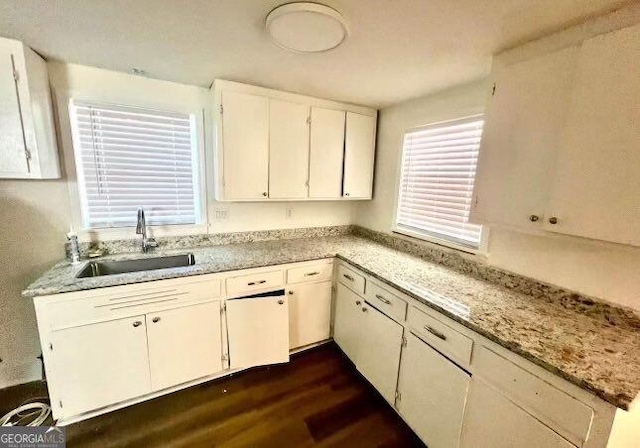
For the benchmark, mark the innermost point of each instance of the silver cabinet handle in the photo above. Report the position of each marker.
(534, 218)
(309, 274)
(383, 300)
(364, 310)
(155, 320)
(280, 302)
(348, 277)
(137, 323)
(553, 220)
(435, 332)
(265, 194)
(358, 302)
(259, 282)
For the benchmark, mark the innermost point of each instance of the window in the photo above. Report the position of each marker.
(436, 185)
(128, 157)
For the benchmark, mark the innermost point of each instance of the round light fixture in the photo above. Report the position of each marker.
(305, 27)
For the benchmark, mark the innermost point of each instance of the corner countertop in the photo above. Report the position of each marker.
(588, 349)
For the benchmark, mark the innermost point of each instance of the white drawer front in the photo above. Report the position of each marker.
(351, 279)
(311, 273)
(386, 302)
(441, 336)
(252, 283)
(568, 416)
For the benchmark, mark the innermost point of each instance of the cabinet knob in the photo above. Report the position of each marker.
(358, 302)
(264, 194)
(155, 320)
(534, 218)
(346, 194)
(290, 293)
(364, 310)
(280, 302)
(137, 323)
(553, 220)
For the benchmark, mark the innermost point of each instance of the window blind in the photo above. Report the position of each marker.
(128, 158)
(436, 186)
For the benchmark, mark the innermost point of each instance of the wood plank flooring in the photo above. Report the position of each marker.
(316, 400)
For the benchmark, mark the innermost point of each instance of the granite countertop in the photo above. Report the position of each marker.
(589, 349)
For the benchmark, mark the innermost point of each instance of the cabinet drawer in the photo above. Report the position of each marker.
(566, 415)
(248, 284)
(441, 336)
(390, 304)
(312, 273)
(351, 279)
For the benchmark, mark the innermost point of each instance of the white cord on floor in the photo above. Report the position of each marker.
(43, 410)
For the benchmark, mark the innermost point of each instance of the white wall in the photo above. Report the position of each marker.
(94, 84)
(603, 270)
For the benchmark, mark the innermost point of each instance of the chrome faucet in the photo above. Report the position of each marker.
(141, 229)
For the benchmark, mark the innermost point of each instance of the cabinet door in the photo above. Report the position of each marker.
(100, 364)
(492, 421)
(258, 331)
(359, 156)
(379, 354)
(348, 321)
(597, 177)
(288, 150)
(184, 344)
(245, 149)
(520, 139)
(433, 392)
(309, 313)
(326, 153)
(13, 160)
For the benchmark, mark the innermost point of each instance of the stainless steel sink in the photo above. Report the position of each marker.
(99, 268)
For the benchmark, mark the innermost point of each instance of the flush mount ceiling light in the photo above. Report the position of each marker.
(306, 27)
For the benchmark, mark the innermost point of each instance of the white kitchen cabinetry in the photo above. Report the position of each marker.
(99, 364)
(184, 344)
(493, 421)
(245, 138)
(597, 179)
(309, 313)
(273, 145)
(288, 149)
(432, 394)
(525, 115)
(258, 329)
(359, 151)
(28, 147)
(347, 325)
(326, 153)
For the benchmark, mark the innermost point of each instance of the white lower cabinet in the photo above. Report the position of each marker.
(370, 339)
(309, 313)
(184, 344)
(258, 329)
(493, 421)
(99, 364)
(432, 394)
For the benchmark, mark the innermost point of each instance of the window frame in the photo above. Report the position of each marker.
(482, 248)
(77, 204)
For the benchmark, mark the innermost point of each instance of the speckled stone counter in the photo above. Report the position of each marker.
(589, 343)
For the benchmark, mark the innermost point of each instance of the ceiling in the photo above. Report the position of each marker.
(398, 49)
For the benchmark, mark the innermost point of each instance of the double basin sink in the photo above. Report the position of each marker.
(100, 268)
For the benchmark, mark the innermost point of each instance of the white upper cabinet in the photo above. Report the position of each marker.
(278, 146)
(288, 149)
(596, 189)
(326, 153)
(28, 147)
(245, 139)
(359, 151)
(523, 121)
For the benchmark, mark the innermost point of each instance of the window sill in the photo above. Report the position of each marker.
(122, 233)
(481, 251)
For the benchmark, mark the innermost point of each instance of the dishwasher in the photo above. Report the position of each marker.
(258, 329)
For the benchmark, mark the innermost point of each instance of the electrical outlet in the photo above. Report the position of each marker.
(221, 214)
(288, 213)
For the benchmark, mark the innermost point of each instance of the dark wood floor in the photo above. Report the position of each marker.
(316, 400)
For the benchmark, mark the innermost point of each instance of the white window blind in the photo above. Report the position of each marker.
(128, 158)
(436, 186)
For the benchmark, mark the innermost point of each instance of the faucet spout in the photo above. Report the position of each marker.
(141, 229)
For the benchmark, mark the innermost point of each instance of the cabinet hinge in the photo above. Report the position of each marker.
(493, 90)
(398, 395)
(221, 109)
(223, 309)
(16, 75)
(60, 403)
(404, 341)
(225, 357)
(27, 153)
(50, 346)
(309, 119)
